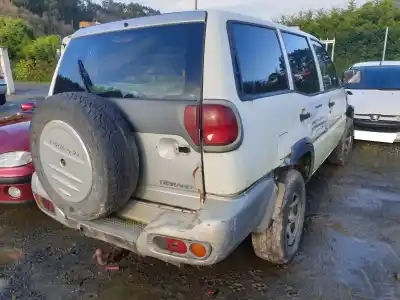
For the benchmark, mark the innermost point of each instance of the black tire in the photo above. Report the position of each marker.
(342, 152)
(274, 245)
(3, 99)
(110, 156)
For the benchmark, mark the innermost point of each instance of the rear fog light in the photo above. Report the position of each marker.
(182, 247)
(171, 245)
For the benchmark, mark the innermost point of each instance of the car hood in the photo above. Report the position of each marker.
(14, 133)
(382, 102)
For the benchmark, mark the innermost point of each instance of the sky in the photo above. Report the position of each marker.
(265, 9)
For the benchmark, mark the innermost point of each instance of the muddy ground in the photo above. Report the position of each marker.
(350, 249)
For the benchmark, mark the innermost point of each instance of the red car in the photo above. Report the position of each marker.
(16, 166)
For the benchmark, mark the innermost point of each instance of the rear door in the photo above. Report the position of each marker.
(374, 90)
(314, 114)
(334, 93)
(153, 74)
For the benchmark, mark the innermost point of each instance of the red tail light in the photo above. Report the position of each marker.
(220, 125)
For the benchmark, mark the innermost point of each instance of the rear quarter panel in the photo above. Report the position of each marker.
(232, 172)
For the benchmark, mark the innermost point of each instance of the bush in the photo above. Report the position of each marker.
(42, 49)
(14, 35)
(33, 70)
(37, 60)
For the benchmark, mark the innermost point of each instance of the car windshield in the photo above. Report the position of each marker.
(162, 62)
(373, 78)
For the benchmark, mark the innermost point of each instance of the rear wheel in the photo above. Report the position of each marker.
(342, 152)
(280, 242)
(84, 154)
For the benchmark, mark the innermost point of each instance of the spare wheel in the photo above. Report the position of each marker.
(84, 154)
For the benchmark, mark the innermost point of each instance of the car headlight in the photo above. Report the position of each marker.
(15, 159)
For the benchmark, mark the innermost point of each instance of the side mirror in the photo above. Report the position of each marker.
(350, 111)
(58, 54)
(3, 89)
(28, 106)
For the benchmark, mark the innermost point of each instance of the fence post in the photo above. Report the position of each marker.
(6, 70)
(333, 42)
(384, 45)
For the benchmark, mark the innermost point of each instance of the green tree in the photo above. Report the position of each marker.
(359, 32)
(352, 5)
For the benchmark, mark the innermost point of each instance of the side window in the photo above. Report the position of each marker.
(304, 70)
(259, 60)
(328, 71)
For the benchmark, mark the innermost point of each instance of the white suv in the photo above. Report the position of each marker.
(176, 136)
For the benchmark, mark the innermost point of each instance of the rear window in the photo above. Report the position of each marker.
(377, 78)
(164, 62)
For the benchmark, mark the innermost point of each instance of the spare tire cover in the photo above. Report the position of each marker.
(84, 154)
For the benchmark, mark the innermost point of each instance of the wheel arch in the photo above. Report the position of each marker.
(301, 158)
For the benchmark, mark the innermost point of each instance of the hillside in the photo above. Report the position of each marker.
(62, 17)
(32, 29)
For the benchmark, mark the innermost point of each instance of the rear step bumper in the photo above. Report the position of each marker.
(220, 226)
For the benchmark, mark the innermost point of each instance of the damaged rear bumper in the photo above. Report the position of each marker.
(220, 226)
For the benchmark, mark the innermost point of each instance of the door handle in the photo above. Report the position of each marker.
(304, 116)
(331, 103)
(183, 149)
(318, 106)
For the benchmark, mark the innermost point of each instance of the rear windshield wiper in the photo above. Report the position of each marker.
(85, 76)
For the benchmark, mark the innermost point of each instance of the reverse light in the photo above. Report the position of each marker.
(45, 204)
(15, 159)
